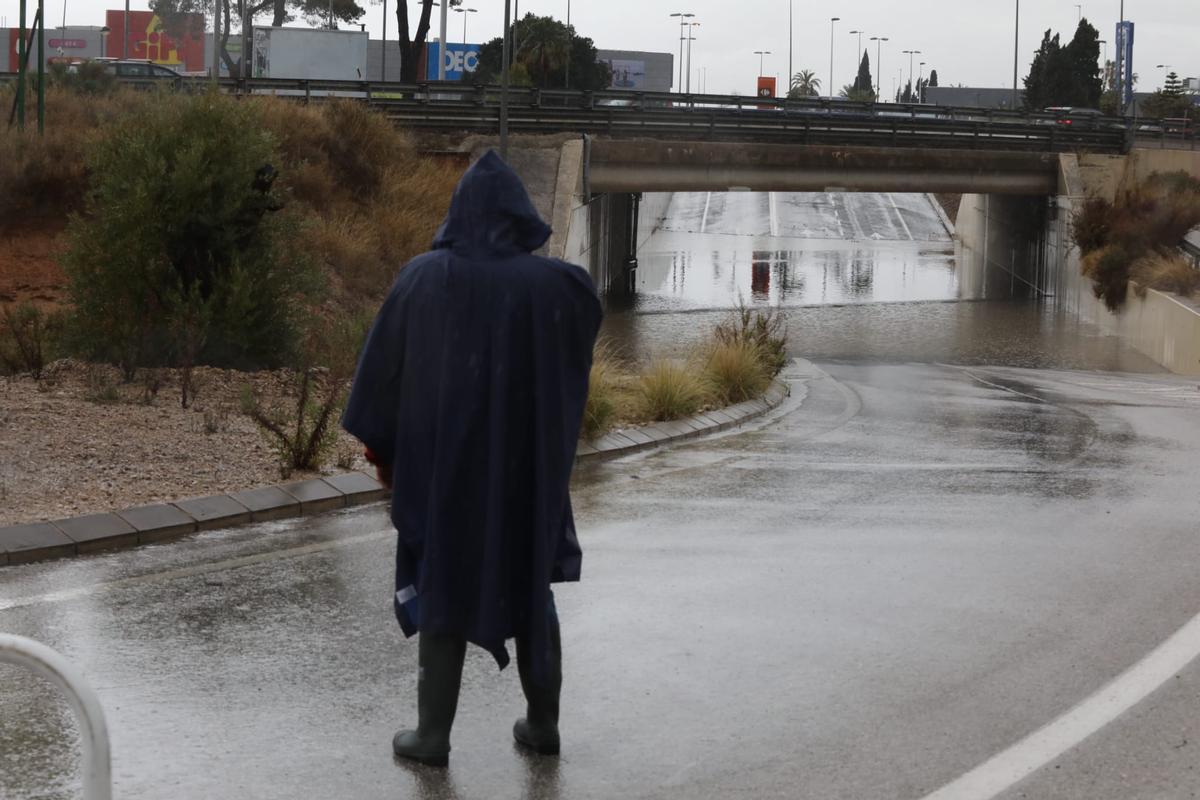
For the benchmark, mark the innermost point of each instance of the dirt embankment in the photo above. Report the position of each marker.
(29, 268)
(949, 202)
(79, 441)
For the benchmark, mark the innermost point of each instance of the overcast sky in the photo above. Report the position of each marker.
(967, 41)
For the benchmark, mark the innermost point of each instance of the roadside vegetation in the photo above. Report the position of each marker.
(200, 230)
(1135, 240)
(737, 363)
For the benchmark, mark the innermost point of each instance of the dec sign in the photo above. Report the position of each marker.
(460, 59)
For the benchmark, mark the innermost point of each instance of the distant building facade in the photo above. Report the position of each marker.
(62, 44)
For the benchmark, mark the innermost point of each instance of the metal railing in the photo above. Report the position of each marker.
(96, 767)
(475, 107)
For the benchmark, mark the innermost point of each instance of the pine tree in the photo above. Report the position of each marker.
(932, 78)
(864, 82)
(1086, 84)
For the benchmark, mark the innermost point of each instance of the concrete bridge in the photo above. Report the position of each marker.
(615, 165)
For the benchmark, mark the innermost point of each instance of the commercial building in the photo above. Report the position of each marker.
(62, 44)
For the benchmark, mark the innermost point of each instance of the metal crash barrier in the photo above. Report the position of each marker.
(93, 734)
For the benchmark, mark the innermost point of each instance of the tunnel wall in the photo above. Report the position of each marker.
(1001, 247)
(599, 233)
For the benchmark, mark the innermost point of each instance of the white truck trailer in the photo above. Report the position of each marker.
(309, 54)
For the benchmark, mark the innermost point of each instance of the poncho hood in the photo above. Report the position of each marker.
(491, 213)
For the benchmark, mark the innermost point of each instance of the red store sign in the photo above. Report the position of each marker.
(69, 44)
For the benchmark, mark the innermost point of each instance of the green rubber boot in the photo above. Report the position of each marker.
(440, 663)
(538, 729)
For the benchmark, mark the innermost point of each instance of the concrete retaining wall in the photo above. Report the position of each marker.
(1159, 325)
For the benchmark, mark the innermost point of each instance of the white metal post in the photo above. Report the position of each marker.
(93, 734)
(443, 13)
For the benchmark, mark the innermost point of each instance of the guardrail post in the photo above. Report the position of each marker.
(96, 772)
(307, 93)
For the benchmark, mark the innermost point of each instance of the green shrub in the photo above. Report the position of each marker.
(1134, 237)
(1091, 224)
(181, 257)
(600, 410)
(1108, 268)
(88, 77)
(737, 371)
(763, 329)
(1166, 272)
(303, 432)
(27, 336)
(670, 390)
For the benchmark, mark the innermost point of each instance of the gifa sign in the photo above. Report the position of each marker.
(461, 59)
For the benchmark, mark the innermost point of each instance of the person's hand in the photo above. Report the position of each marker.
(383, 472)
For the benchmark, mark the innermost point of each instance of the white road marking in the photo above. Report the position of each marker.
(900, 216)
(773, 211)
(704, 217)
(1035, 751)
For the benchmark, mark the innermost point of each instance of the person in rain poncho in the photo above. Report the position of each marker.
(469, 396)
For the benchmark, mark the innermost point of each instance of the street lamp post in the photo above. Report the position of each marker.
(464, 12)
(920, 79)
(690, 39)
(832, 22)
(1078, 13)
(570, 42)
(683, 21)
(442, 36)
(858, 54)
(383, 63)
(791, 30)
(879, 40)
(761, 54)
(505, 51)
(911, 53)
(1016, 51)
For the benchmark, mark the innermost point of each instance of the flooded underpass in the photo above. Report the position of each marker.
(902, 572)
(857, 276)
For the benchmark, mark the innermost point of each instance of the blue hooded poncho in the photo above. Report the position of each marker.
(472, 386)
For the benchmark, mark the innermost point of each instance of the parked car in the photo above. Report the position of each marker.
(138, 71)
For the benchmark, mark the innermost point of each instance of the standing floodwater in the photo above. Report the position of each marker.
(858, 276)
(791, 248)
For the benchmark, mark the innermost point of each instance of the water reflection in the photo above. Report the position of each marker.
(683, 272)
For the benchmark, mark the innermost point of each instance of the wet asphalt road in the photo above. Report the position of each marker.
(906, 570)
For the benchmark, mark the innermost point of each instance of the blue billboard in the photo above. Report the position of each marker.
(1125, 62)
(461, 59)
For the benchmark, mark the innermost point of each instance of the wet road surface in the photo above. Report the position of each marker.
(906, 570)
(920, 560)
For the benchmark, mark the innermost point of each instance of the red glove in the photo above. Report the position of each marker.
(383, 472)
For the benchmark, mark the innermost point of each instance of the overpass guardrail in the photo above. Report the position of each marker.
(476, 108)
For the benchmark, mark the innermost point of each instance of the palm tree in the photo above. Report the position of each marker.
(805, 83)
(544, 49)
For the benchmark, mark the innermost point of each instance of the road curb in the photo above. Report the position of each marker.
(633, 440)
(132, 527)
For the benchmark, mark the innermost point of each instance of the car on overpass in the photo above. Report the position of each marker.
(137, 71)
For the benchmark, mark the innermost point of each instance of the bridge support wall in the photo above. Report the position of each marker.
(1004, 247)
